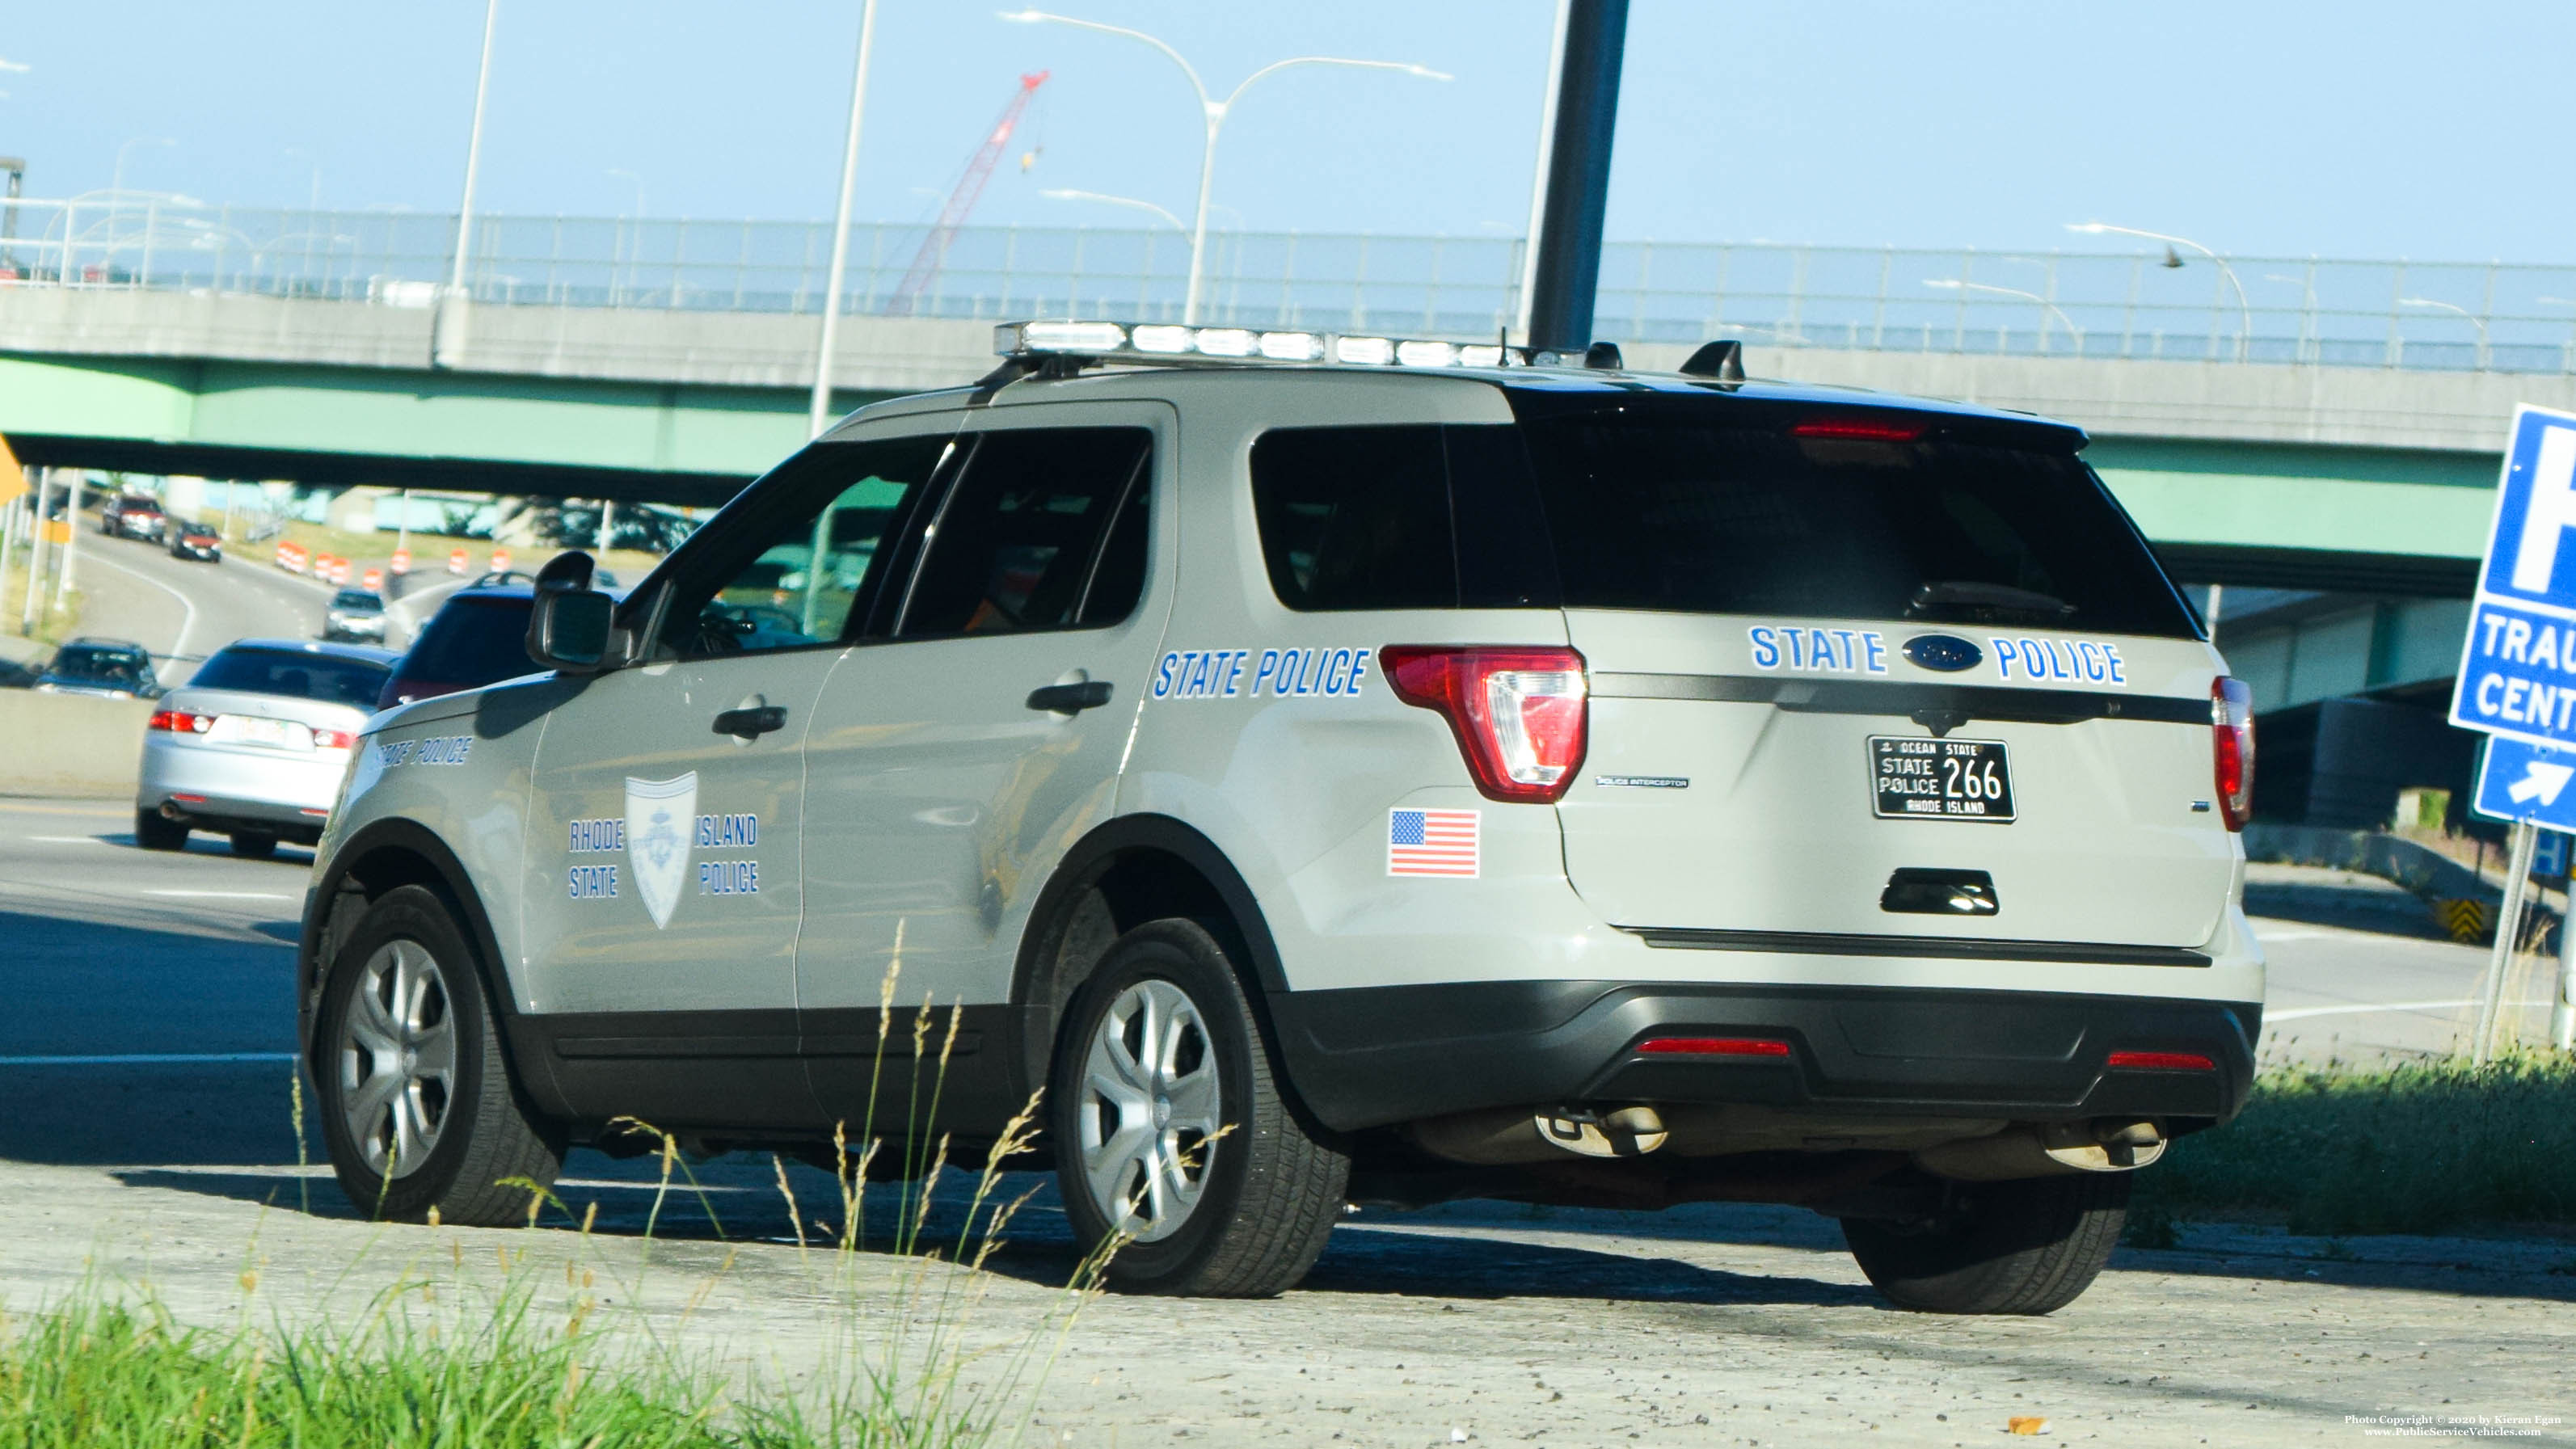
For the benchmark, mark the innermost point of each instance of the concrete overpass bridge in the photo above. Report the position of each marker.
(2329, 460)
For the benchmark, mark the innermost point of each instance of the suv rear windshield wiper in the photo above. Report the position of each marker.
(1986, 601)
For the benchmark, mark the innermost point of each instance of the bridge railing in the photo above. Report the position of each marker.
(2111, 302)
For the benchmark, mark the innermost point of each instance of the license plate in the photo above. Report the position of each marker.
(279, 734)
(1917, 779)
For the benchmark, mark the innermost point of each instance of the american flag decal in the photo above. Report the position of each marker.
(1431, 842)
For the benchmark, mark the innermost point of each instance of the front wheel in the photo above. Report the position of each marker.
(1172, 1135)
(2032, 1245)
(418, 1109)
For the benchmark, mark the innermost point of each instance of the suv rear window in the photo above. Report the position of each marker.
(473, 642)
(334, 678)
(1671, 505)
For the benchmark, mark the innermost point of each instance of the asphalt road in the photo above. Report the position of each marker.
(182, 610)
(146, 1129)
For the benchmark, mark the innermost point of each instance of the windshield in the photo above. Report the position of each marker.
(333, 678)
(473, 642)
(120, 667)
(1680, 506)
(357, 601)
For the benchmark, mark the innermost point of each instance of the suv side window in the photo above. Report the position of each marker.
(1401, 517)
(805, 570)
(1045, 530)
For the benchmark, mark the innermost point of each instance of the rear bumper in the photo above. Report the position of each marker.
(1371, 1056)
(239, 787)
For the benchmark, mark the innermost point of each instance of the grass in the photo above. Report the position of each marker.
(455, 1357)
(2417, 1148)
(54, 622)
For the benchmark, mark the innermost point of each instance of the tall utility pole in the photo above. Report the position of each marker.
(1538, 172)
(36, 554)
(68, 579)
(1568, 271)
(820, 413)
(447, 327)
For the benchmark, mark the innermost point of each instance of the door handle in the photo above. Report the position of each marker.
(1070, 698)
(744, 724)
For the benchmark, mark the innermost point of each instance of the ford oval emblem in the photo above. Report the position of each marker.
(1947, 653)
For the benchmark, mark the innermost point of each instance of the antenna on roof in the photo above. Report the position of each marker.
(1722, 359)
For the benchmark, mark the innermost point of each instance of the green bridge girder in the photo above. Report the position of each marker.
(2286, 514)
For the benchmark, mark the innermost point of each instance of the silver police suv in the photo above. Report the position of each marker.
(1329, 769)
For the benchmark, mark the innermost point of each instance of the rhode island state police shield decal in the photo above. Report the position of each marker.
(659, 817)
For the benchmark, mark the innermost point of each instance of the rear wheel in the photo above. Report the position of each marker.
(254, 845)
(1172, 1132)
(418, 1109)
(2028, 1246)
(154, 833)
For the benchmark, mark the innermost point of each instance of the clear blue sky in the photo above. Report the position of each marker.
(2369, 128)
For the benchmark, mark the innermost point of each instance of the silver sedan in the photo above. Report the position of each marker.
(254, 746)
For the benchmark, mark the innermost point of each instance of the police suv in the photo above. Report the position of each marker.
(1327, 769)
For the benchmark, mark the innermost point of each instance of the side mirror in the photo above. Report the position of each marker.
(569, 631)
(569, 623)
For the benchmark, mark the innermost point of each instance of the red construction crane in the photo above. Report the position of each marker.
(970, 187)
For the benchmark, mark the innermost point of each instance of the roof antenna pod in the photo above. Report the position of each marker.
(1723, 360)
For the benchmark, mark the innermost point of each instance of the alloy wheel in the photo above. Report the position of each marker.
(1150, 1110)
(398, 1059)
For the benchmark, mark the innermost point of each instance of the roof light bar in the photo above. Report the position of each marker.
(1171, 342)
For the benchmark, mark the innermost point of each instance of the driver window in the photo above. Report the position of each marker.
(819, 566)
(1019, 544)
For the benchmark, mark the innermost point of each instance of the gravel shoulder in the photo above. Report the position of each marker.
(1711, 1325)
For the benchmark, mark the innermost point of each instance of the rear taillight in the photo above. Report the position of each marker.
(2162, 1062)
(1519, 713)
(1713, 1046)
(179, 721)
(333, 739)
(2231, 720)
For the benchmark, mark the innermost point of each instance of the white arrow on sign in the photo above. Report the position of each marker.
(2541, 781)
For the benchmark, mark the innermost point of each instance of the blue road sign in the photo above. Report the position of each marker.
(2518, 666)
(2527, 782)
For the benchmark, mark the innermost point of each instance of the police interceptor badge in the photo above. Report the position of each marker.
(1917, 779)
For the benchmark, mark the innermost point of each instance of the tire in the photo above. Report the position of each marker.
(2028, 1246)
(1243, 1215)
(466, 1130)
(253, 845)
(154, 833)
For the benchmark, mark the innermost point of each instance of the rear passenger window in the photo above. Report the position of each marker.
(1355, 518)
(1046, 530)
(1406, 517)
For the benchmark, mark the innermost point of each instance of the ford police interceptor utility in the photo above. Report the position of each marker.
(1335, 769)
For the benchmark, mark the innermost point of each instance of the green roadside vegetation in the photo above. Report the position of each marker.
(54, 622)
(2423, 1147)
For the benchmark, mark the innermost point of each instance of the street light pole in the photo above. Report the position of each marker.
(2474, 320)
(1213, 113)
(36, 554)
(447, 346)
(1961, 284)
(819, 412)
(2244, 309)
(1063, 193)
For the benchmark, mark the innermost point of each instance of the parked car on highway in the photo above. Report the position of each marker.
(1396, 772)
(355, 616)
(132, 515)
(254, 745)
(196, 541)
(106, 668)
